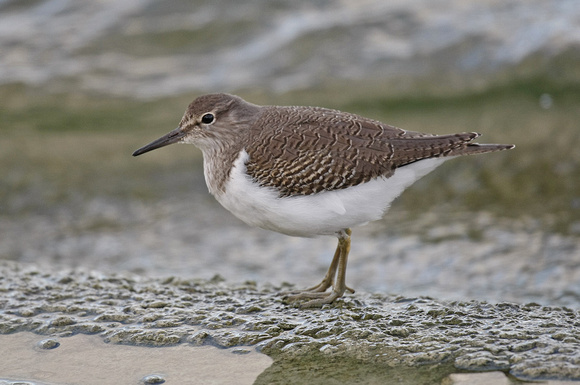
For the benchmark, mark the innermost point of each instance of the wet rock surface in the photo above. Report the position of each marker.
(529, 341)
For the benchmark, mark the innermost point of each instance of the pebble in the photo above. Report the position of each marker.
(153, 379)
(49, 343)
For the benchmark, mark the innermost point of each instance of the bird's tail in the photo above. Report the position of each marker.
(412, 149)
(467, 148)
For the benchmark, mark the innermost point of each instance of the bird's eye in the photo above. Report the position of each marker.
(207, 118)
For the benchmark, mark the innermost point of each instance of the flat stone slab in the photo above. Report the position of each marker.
(529, 341)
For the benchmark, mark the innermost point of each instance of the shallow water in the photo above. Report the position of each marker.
(87, 360)
(138, 49)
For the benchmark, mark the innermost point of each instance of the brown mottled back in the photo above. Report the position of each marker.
(305, 150)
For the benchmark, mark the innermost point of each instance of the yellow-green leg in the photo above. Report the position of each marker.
(317, 294)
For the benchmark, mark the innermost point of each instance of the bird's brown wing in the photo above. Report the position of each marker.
(305, 150)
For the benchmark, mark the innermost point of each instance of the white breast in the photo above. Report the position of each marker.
(324, 213)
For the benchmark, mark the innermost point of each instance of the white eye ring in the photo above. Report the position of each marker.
(208, 118)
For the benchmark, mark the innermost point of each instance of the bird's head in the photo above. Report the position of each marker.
(211, 121)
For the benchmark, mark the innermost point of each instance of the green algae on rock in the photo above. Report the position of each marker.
(528, 341)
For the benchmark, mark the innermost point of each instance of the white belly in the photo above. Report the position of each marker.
(325, 213)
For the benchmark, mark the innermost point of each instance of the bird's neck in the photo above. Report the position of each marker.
(217, 165)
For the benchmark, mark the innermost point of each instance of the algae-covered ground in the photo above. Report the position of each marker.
(367, 338)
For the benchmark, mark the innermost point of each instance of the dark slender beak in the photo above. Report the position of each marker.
(167, 139)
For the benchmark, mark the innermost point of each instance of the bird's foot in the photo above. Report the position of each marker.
(320, 288)
(316, 295)
(316, 299)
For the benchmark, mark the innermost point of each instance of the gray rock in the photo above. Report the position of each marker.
(528, 341)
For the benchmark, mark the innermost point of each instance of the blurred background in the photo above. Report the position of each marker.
(83, 84)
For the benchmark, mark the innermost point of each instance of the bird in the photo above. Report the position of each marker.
(309, 171)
